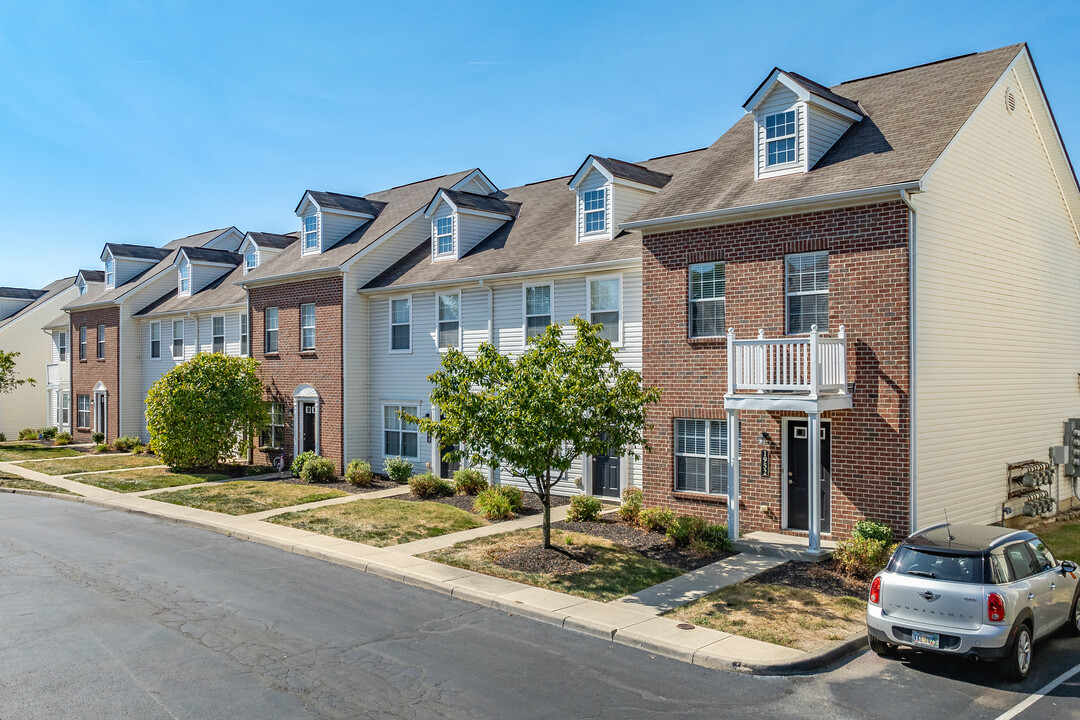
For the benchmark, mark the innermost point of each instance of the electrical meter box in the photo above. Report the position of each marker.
(1072, 447)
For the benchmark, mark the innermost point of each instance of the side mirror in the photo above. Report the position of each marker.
(1068, 566)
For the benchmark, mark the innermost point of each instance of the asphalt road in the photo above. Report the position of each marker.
(108, 615)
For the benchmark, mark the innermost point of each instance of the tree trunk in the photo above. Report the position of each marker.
(547, 520)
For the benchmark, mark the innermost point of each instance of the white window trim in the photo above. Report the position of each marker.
(461, 313)
(61, 346)
(63, 409)
(382, 440)
(84, 348)
(452, 252)
(267, 330)
(254, 251)
(589, 279)
(100, 342)
(787, 307)
(214, 336)
(181, 278)
(152, 326)
(303, 327)
(690, 299)
(762, 132)
(82, 287)
(110, 274)
(304, 249)
(604, 234)
(183, 330)
(525, 307)
(708, 468)
(79, 411)
(270, 426)
(390, 325)
(245, 334)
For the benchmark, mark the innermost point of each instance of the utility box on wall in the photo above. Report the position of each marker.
(1072, 447)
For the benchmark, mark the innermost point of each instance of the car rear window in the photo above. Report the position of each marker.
(937, 565)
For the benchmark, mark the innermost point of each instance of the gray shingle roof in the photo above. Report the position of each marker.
(484, 203)
(223, 292)
(46, 294)
(138, 252)
(272, 240)
(214, 256)
(814, 89)
(633, 172)
(198, 239)
(337, 201)
(13, 293)
(912, 115)
(93, 275)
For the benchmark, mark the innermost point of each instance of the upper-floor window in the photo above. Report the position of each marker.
(178, 339)
(185, 277)
(82, 343)
(707, 299)
(780, 138)
(307, 326)
(82, 286)
(444, 235)
(537, 309)
(244, 348)
(110, 272)
(251, 258)
(155, 339)
(400, 324)
(271, 345)
(807, 288)
(100, 342)
(311, 232)
(605, 303)
(449, 320)
(594, 207)
(61, 346)
(701, 450)
(217, 333)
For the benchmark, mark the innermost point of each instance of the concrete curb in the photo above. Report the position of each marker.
(814, 661)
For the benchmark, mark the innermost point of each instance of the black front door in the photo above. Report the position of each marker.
(447, 468)
(307, 438)
(798, 476)
(605, 474)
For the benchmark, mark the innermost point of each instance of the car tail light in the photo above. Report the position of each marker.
(875, 591)
(995, 608)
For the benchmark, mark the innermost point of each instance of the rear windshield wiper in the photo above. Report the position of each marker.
(921, 573)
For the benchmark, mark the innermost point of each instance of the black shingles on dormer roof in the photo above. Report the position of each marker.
(272, 240)
(348, 203)
(482, 203)
(93, 275)
(633, 172)
(137, 252)
(823, 92)
(11, 293)
(223, 257)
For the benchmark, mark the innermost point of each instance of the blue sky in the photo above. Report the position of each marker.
(146, 121)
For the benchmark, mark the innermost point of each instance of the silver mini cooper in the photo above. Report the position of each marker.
(971, 590)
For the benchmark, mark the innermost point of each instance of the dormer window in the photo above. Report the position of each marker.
(251, 258)
(594, 206)
(311, 233)
(444, 235)
(82, 286)
(110, 273)
(780, 136)
(185, 277)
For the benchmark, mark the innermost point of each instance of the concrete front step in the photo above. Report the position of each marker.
(786, 547)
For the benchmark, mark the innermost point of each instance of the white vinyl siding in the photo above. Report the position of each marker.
(400, 324)
(822, 131)
(155, 340)
(706, 310)
(271, 342)
(701, 452)
(806, 280)
(333, 227)
(307, 326)
(400, 437)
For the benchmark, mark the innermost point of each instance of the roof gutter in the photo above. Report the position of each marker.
(275, 279)
(777, 207)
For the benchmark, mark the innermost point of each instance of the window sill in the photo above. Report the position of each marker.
(309, 353)
(699, 497)
(401, 352)
(83, 429)
(708, 341)
(272, 355)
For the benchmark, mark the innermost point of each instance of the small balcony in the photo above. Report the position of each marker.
(804, 373)
(52, 374)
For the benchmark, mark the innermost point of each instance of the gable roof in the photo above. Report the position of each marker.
(803, 82)
(12, 293)
(221, 293)
(541, 237)
(464, 200)
(910, 117)
(271, 240)
(44, 295)
(337, 201)
(198, 239)
(93, 275)
(197, 254)
(137, 252)
(633, 172)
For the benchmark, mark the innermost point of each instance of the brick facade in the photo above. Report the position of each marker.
(86, 374)
(868, 293)
(289, 368)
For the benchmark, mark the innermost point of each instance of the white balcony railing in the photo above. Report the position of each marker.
(52, 374)
(811, 365)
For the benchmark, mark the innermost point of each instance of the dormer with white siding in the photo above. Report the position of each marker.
(609, 191)
(260, 247)
(460, 220)
(197, 267)
(796, 121)
(124, 262)
(88, 279)
(326, 217)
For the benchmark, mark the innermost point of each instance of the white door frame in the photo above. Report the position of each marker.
(101, 394)
(783, 469)
(302, 395)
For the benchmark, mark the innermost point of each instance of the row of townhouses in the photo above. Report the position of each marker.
(860, 301)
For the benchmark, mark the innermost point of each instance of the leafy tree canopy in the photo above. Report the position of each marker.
(8, 381)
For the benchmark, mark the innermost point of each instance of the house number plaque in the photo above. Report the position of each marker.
(764, 463)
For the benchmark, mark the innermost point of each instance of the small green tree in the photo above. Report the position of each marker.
(199, 412)
(534, 415)
(8, 381)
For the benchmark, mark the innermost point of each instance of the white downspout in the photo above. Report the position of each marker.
(912, 416)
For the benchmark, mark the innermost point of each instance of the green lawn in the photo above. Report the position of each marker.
(246, 496)
(611, 572)
(11, 481)
(1062, 538)
(29, 451)
(382, 521)
(92, 463)
(129, 481)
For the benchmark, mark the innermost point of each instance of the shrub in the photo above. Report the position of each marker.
(28, 434)
(63, 438)
(3, 437)
(102, 448)
(139, 448)
(300, 461)
(398, 469)
(428, 486)
(493, 504)
(685, 528)
(657, 519)
(584, 508)
(514, 496)
(318, 470)
(470, 482)
(48, 433)
(873, 530)
(358, 473)
(712, 539)
(125, 443)
(862, 557)
(97, 438)
(630, 509)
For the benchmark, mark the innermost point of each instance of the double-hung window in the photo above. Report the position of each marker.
(274, 434)
(701, 455)
(400, 324)
(594, 210)
(400, 437)
(100, 342)
(217, 334)
(271, 345)
(444, 235)
(185, 277)
(449, 320)
(780, 138)
(311, 233)
(63, 410)
(537, 309)
(605, 300)
(178, 339)
(244, 348)
(110, 273)
(61, 346)
(251, 258)
(82, 417)
(155, 339)
(807, 288)
(307, 326)
(707, 299)
(82, 343)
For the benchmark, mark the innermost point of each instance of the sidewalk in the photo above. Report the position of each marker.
(633, 620)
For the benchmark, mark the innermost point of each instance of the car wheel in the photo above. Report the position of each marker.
(881, 648)
(1073, 626)
(1017, 664)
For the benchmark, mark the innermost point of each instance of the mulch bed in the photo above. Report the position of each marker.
(823, 577)
(379, 484)
(652, 545)
(557, 561)
(466, 502)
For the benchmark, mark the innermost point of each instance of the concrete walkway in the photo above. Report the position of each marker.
(624, 622)
(698, 583)
(418, 547)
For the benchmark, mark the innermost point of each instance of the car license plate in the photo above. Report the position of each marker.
(921, 639)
